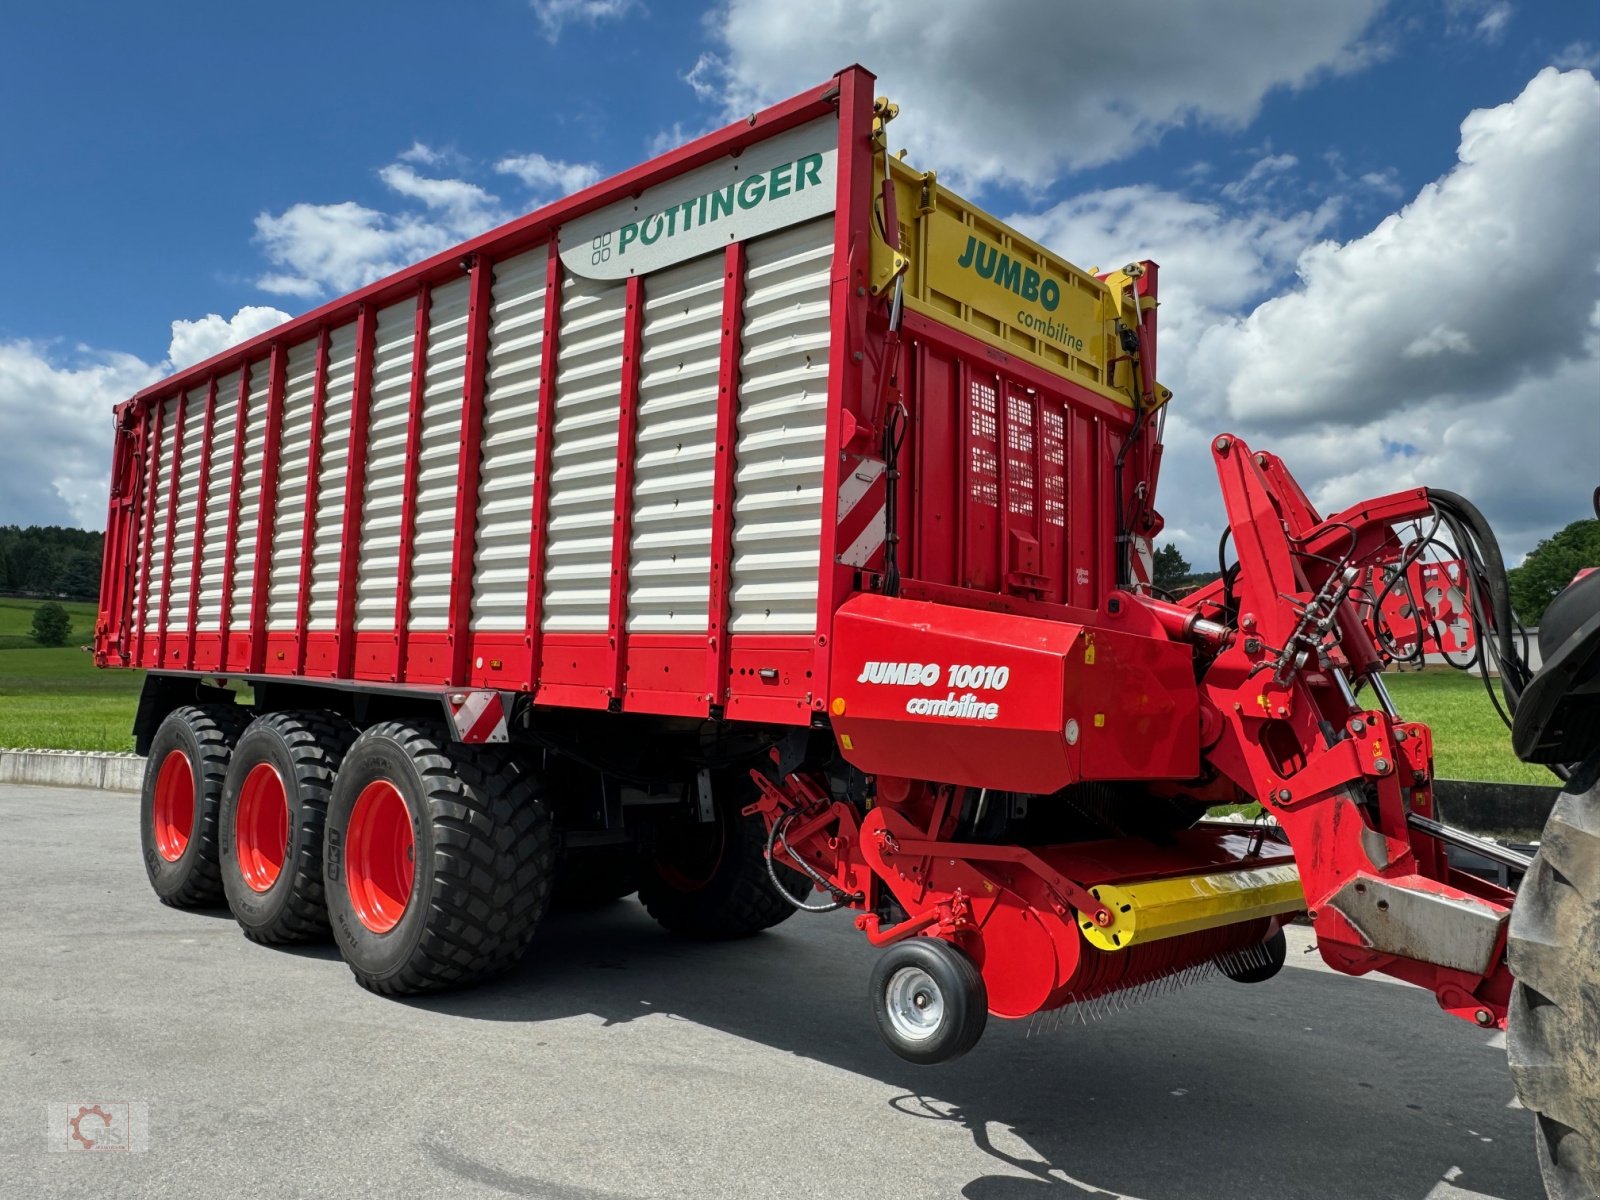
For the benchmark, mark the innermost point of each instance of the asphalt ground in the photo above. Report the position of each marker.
(617, 1061)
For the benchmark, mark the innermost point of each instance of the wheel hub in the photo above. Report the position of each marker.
(915, 1003)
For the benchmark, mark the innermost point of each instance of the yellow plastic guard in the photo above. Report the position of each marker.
(1163, 908)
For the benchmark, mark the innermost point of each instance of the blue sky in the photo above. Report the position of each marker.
(216, 167)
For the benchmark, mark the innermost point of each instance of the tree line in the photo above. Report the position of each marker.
(50, 561)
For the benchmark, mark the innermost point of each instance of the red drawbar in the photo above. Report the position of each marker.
(380, 856)
(173, 811)
(261, 827)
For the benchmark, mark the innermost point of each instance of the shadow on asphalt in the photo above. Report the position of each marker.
(1311, 1085)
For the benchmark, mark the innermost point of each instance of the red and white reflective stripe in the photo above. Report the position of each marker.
(1143, 563)
(862, 524)
(478, 716)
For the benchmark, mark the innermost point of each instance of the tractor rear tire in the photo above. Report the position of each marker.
(710, 881)
(274, 806)
(1553, 1036)
(179, 800)
(436, 862)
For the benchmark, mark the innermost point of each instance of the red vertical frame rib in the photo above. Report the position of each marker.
(202, 495)
(355, 486)
(469, 468)
(169, 538)
(153, 427)
(733, 266)
(543, 447)
(622, 511)
(308, 516)
(267, 515)
(847, 338)
(241, 414)
(408, 495)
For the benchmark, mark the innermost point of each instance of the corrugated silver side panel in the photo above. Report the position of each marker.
(783, 394)
(294, 464)
(219, 484)
(162, 500)
(255, 449)
(141, 588)
(187, 528)
(670, 556)
(386, 468)
(335, 457)
(440, 457)
(583, 476)
(510, 420)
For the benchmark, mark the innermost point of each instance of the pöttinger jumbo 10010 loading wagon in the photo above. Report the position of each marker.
(767, 527)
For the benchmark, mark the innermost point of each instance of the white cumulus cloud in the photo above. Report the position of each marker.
(321, 249)
(56, 403)
(1455, 344)
(548, 178)
(1020, 90)
(197, 340)
(555, 15)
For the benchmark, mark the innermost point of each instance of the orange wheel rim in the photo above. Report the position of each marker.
(261, 827)
(380, 856)
(173, 811)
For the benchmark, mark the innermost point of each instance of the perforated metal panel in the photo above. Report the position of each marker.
(670, 560)
(378, 576)
(783, 391)
(294, 465)
(219, 488)
(584, 457)
(334, 460)
(255, 448)
(510, 421)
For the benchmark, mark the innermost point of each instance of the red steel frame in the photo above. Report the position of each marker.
(717, 640)
(266, 520)
(355, 487)
(408, 505)
(622, 509)
(464, 549)
(544, 448)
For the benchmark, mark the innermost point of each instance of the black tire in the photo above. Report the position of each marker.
(181, 857)
(928, 1000)
(588, 879)
(710, 881)
(1258, 963)
(1553, 1035)
(483, 854)
(282, 901)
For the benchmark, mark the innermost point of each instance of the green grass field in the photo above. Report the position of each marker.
(16, 622)
(58, 700)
